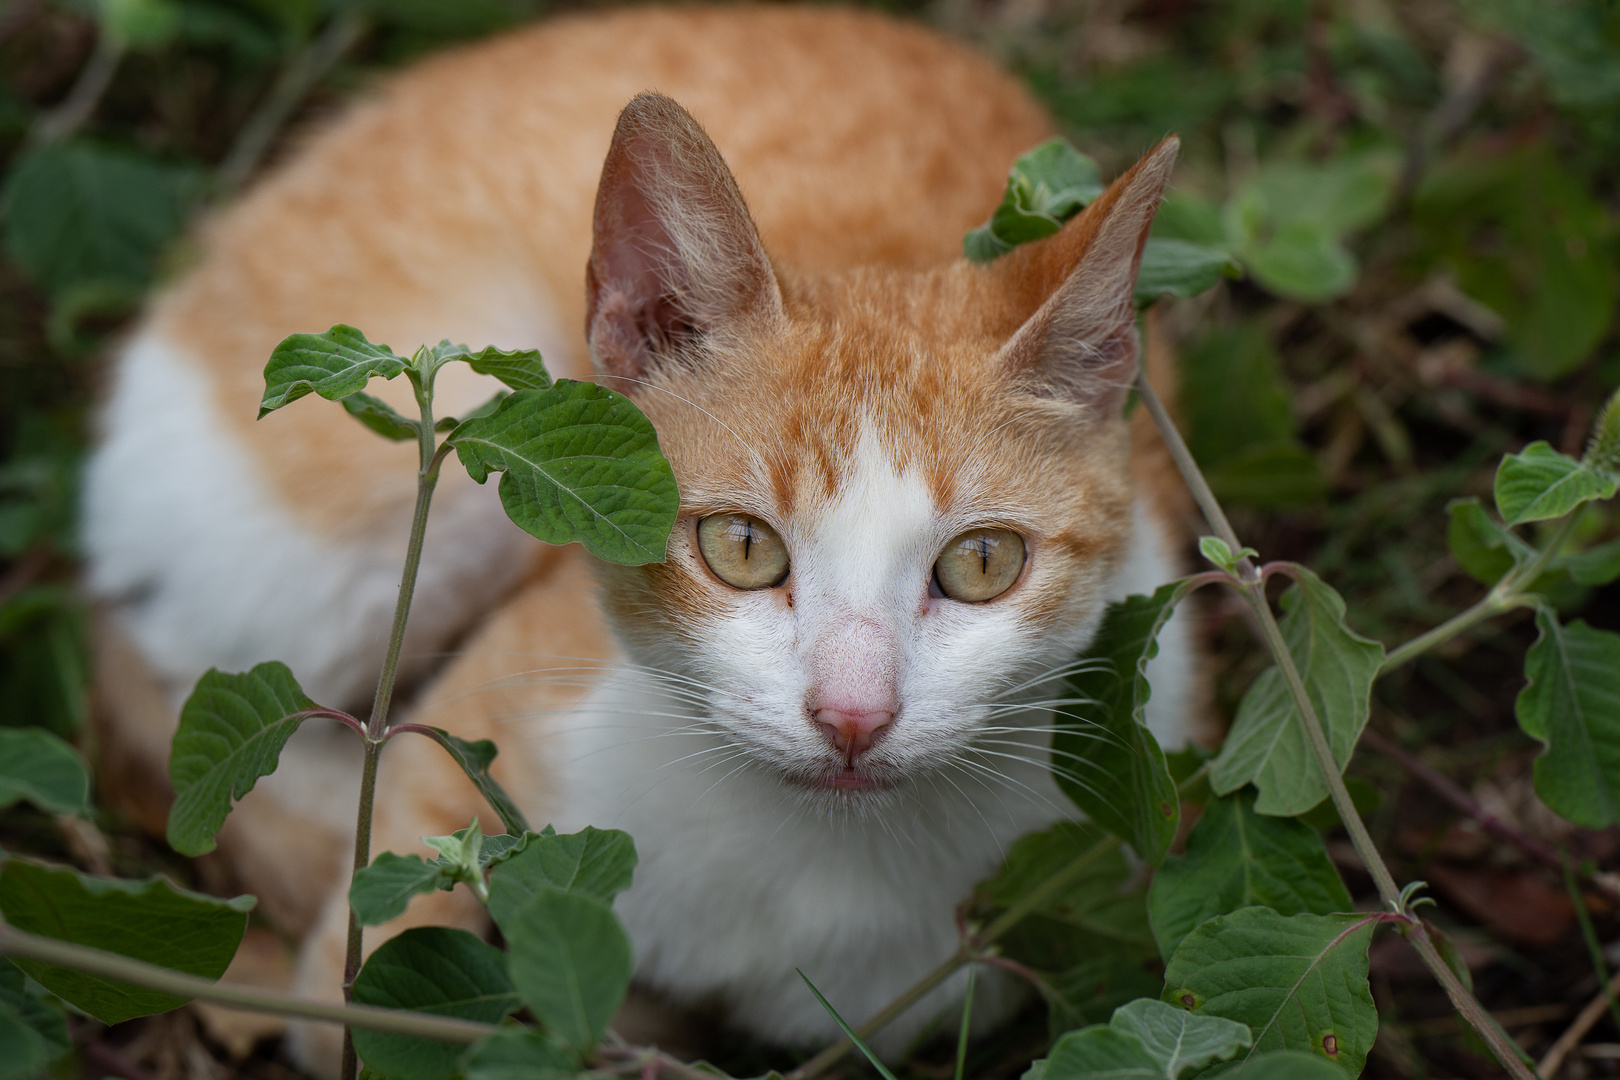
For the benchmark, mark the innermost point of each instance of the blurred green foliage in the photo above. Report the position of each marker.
(1421, 198)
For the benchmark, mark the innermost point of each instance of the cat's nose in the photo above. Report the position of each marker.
(851, 731)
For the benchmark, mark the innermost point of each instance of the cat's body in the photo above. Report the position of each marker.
(815, 770)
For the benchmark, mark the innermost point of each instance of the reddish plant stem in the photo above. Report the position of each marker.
(1449, 790)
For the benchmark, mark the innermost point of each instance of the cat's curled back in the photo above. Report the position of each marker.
(906, 488)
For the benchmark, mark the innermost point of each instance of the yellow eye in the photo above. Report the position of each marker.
(743, 551)
(981, 564)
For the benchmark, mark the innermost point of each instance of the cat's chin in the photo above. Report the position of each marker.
(839, 780)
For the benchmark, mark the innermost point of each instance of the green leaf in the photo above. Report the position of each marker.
(1524, 237)
(141, 24)
(33, 1032)
(1284, 1065)
(1237, 858)
(521, 369)
(1541, 483)
(1046, 187)
(1100, 1053)
(581, 463)
(1179, 268)
(571, 961)
(381, 417)
(382, 891)
(450, 423)
(1220, 553)
(77, 213)
(460, 853)
(42, 768)
(1299, 982)
(1267, 745)
(148, 920)
(1104, 758)
(1572, 704)
(431, 969)
(231, 732)
(1285, 225)
(1484, 549)
(518, 1053)
(1097, 909)
(593, 862)
(475, 758)
(1178, 1040)
(849, 1032)
(1595, 566)
(334, 365)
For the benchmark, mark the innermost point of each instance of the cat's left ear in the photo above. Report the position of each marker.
(1080, 345)
(675, 255)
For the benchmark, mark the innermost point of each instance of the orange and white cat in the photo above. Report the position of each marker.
(906, 489)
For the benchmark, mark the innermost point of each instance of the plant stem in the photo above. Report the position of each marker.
(376, 733)
(970, 950)
(81, 101)
(1253, 592)
(300, 75)
(14, 942)
(1505, 595)
(1449, 790)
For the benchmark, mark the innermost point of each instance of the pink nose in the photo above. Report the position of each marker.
(851, 731)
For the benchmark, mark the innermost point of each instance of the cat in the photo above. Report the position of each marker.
(906, 481)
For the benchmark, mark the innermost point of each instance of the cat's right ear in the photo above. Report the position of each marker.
(1080, 344)
(675, 255)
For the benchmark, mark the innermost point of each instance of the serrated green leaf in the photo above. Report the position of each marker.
(381, 417)
(1299, 982)
(149, 920)
(1540, 483)
(1099, 910)
(1100, 1053)
(581, 463)
(518, 1053)
(1177, 1040)
(232, 730)
(77, 213)
(520, 369)
(599, 863)
(1283, 1065)
(1595, 566)
(1484, 549)
(33, 1032)
(1103, 756)
(1572, 704)
(382, 891)
(1179, 268)
(1237, 858)
(571, 961)
(1045, 188)
(431, 969)
(41, 768)
(334, 365)
(1267, 745)
(475, 758)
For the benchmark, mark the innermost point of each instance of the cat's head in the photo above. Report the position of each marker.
(902, 494)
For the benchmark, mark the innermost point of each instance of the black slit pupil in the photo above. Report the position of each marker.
(748, 539)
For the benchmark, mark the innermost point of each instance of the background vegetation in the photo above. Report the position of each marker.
(1423, 198)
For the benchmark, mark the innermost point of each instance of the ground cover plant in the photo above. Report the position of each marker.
(1388, 273)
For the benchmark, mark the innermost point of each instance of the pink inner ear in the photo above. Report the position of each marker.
(1081, 345)
(676, 254)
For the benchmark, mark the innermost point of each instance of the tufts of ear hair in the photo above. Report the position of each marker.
(675, 255)
(1080, 345)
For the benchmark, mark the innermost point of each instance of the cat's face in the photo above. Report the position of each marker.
(903, 496)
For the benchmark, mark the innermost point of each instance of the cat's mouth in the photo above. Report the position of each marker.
(845, 780)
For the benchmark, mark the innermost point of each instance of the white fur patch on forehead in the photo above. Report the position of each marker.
(874, 534)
